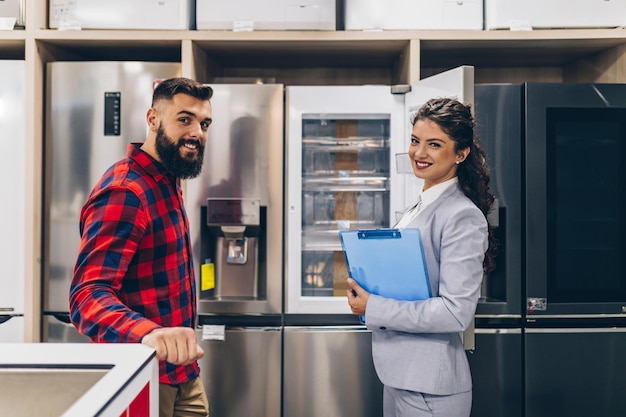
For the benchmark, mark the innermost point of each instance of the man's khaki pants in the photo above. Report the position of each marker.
(184, 400)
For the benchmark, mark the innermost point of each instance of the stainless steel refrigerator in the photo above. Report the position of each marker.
(93, 110)
(235, 210)
(12, 220)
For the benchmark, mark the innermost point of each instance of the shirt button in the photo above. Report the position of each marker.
(383, 328)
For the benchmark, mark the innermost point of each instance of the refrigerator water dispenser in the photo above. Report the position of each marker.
(233, 227)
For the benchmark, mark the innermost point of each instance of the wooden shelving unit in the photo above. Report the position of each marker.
(295, 58)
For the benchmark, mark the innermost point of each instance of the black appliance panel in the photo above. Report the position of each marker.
(498, 111)
(586, 226)
(497, 373)
(575, 372)
(575, 217)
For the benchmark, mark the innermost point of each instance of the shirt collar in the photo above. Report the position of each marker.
(433, 193)
(152, 167)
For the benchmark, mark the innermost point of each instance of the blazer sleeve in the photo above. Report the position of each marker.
(464, 241)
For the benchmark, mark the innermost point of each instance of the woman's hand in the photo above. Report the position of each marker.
(357, 298)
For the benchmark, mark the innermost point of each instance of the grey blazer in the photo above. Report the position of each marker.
(417, 345)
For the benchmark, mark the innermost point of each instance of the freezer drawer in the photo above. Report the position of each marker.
(575, 372)
(496, 365)
(328, 371)
(60, 330)
(241, 374)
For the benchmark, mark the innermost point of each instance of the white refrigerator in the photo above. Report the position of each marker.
(346, 168)
(12, 219)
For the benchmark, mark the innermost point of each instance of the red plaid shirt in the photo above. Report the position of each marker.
(134, 271)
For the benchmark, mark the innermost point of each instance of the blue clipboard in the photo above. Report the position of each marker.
(387, 262)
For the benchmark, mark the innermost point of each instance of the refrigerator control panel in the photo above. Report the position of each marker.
(112, 113)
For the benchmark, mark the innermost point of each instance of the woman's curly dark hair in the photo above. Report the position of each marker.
(456, 120)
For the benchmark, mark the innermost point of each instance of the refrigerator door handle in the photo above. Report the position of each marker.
(64, 317)
(494, 214)
(570, 330)
(327, 328)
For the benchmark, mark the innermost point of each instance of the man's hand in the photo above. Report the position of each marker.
(176, 345)
(357, 298)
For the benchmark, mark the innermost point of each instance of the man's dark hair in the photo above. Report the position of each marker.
(167, 89)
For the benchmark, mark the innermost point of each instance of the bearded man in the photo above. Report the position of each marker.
(134, 277)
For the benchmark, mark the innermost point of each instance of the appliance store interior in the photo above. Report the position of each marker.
(311, 124)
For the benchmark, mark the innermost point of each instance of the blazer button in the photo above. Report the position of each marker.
(383, 328)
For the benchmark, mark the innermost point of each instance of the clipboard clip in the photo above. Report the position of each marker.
(379, 234)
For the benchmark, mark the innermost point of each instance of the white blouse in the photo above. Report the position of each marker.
(423, 199)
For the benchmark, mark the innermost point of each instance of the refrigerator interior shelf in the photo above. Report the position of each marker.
(327, 239)
(319, 245)
(334, 184)
(343, 175)
(355, 143)
(345, 188)
(320, 240)
(333, 226)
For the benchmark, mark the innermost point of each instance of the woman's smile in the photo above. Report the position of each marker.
(433, 153)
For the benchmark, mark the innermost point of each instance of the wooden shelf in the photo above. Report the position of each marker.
(12, 44)
(326, 49)
(505, 49)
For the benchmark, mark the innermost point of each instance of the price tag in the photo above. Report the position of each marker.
(214, 332)
(243, 26)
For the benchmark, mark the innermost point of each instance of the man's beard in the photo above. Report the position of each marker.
(169, 152)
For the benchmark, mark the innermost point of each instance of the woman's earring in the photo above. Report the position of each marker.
(457, 162)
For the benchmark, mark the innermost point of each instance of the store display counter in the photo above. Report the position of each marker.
(78, 380)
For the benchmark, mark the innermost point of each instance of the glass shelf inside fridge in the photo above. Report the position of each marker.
(345, 185)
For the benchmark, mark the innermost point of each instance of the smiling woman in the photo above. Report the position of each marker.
(417, 346)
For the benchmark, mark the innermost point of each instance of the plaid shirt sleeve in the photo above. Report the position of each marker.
(113, 223)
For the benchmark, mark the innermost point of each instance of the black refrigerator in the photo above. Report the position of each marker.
(575, 204)
(558, 147)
